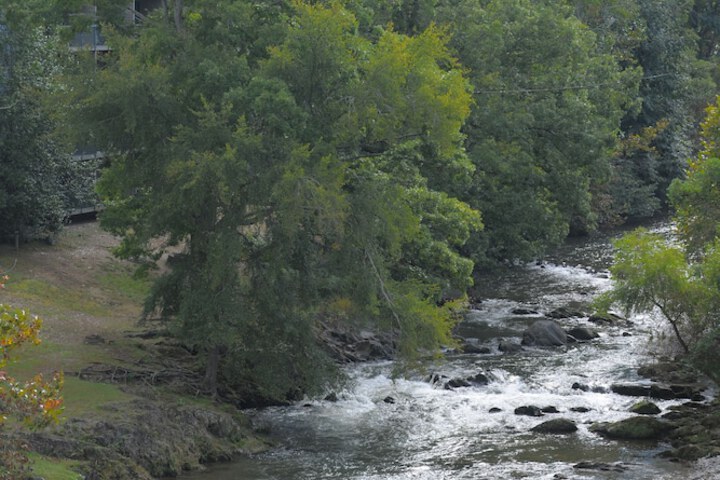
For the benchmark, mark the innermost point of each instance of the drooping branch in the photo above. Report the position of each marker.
(674, 323)
(384, 292)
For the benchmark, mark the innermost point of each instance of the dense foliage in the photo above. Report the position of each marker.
(35, 174)
(681, 280)
(293, 165)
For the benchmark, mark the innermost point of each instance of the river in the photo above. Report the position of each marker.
(430, 433)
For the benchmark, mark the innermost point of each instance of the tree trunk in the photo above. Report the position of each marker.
(165, 9)
(178, 15)
(211, 371)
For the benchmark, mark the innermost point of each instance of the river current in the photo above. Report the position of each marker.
(431, 433)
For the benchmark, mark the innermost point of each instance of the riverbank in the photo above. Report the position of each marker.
(130, 410)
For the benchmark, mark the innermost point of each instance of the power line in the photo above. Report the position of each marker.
(568, 87)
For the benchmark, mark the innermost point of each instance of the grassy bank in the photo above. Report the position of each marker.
(90, 304)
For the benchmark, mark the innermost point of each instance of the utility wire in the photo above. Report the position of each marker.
(568, 87)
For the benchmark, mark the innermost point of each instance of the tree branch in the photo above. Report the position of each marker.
(384, 292)
(673, 322)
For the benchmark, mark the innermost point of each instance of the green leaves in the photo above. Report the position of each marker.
(325, 171)
(548, 103)
(681, 280)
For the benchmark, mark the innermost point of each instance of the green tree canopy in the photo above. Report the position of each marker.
(37, 178)
(293, 187)
(548, 102)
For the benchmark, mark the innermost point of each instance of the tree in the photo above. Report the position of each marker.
(697, 198)
(37, 175)
(295, 184)
(548, 103)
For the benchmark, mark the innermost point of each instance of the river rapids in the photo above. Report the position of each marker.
(389, 427)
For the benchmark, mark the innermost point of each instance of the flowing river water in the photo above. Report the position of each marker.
(431, 433)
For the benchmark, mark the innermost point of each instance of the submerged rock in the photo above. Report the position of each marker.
(604, 467)
(544, 333)
(549, 409)
(523, 311)
(557, 425)
(389, 400)
(469, 347)
(663, 392)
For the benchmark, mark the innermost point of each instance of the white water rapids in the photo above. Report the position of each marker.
(430, 433)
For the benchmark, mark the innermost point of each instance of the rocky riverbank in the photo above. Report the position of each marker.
(147, 439)
(692, 429)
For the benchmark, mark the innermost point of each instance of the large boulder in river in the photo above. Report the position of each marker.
(564, 312)
(633, 428)
(606, 319)
(529, 410)
(545, 333)
(582, 334)
(557, 425)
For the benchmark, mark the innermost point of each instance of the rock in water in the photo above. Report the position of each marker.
(583, 334)
(564, 312)
(479, 379)
(469, 347)
(544, 333)
(634, 428)
(645, 407)
(557, 425)
(529, 410)
(456, 383)
(507, 346)
(604, 467)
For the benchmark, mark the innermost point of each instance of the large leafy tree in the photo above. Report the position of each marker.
(548, 102)
(294, 182)
(36, 174)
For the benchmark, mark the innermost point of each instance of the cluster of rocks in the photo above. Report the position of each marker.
(547, 332)
(348, 346)
(479, 379)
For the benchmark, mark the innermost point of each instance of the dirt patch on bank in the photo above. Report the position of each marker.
(72, 285)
